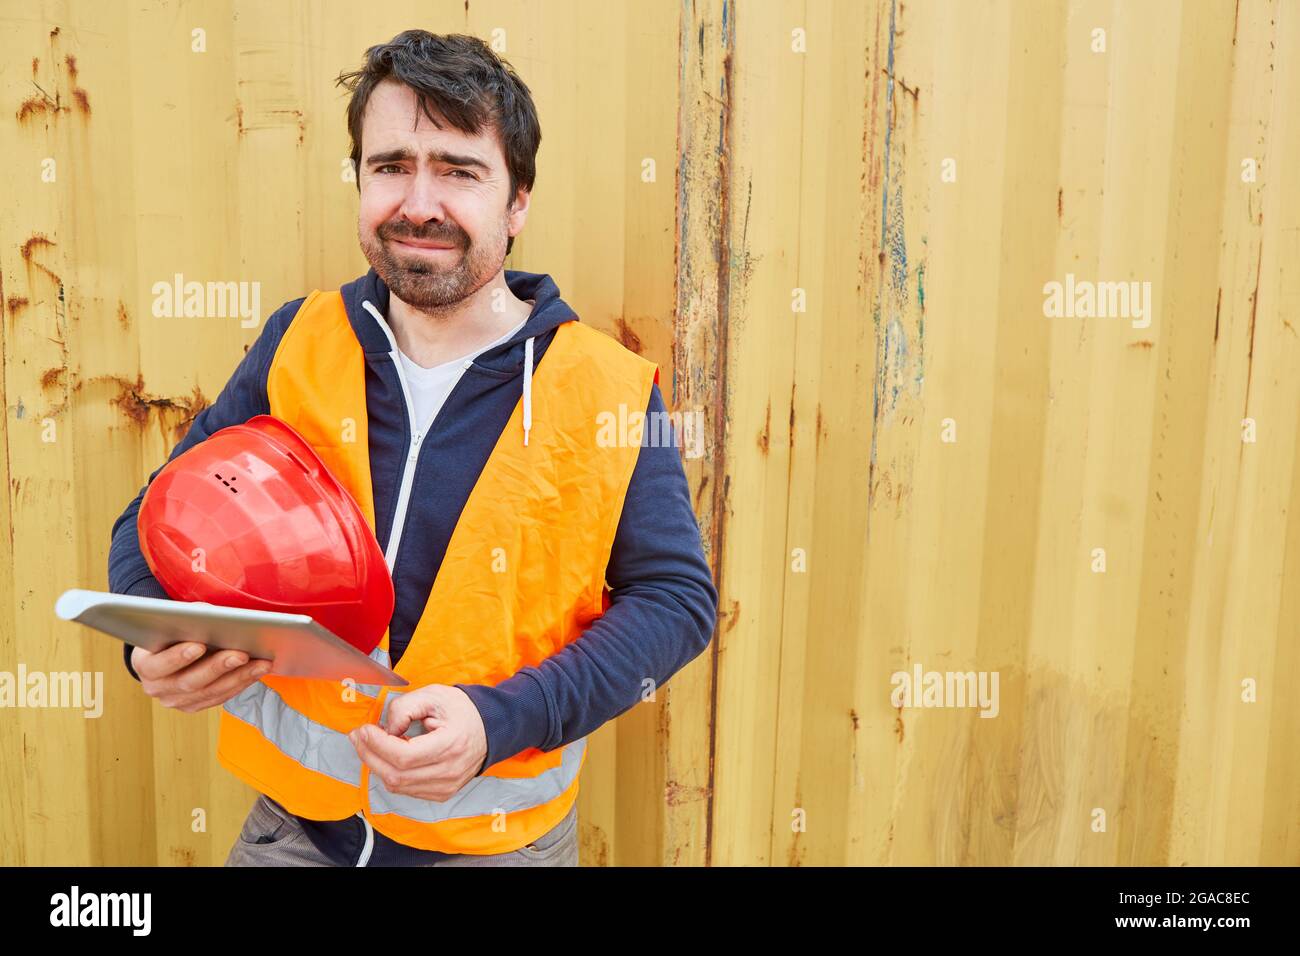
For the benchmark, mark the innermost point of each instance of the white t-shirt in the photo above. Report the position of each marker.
(431, 386)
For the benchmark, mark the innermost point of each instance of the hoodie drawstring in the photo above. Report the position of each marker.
(528, 365)
(528, 387)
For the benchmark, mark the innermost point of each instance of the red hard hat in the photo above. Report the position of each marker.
(277, 532)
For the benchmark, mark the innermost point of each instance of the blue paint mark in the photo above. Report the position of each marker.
(900, 357)
(889, 124)
(875, 387)
(897, 246)
(920, 330)
(724, 22)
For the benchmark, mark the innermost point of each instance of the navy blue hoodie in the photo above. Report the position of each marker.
(663, 600)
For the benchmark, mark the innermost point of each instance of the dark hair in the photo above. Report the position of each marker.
(463, 79)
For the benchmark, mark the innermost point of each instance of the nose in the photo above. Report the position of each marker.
(423, 200)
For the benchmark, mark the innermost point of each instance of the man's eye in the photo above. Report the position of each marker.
(387, 166)
(470, 175)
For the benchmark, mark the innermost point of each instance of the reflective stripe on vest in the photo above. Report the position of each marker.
(318, 748)
(380, 656)
(521, 578)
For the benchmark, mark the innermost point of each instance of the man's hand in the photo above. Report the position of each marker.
(433, 765)
(179, 679)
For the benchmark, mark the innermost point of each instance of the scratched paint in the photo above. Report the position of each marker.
(920, 322)
(900, 352)
(889, 121)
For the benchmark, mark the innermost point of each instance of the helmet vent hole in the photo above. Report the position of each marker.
(227, 483)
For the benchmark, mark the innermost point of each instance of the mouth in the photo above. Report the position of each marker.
(424, 248)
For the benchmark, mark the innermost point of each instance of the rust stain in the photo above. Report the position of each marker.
(594, 843)
(37, 239)
(38, 104)
(183, 855)
(51, 376)
(793, 388)
(699, 492)
(676, 794)
(1218, 304)
(1141, 344)
(137, 405)
(629, 339)
(78, 94)
(729, 617)
(767, 428)
(29, 248)
(43, 103)
(898, 724)
(818, 447)
(1060, 202)
(124, 320)
(242, 126)
(1250, 354)
(15, 303)
(913, 91)
(798, 854)
(853, 716)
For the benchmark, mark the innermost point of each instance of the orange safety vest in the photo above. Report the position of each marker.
(523, 576)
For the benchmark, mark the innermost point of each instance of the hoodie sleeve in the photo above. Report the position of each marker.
(662, 614)
(243, 396)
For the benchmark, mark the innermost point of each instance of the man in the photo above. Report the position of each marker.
(501, 512)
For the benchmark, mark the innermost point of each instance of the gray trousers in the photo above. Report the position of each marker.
(285, 843)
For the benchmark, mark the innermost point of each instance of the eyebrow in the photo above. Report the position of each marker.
(402, 154)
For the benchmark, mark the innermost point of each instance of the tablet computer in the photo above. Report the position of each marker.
(296, 644)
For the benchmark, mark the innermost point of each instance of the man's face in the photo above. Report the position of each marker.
(433, 220)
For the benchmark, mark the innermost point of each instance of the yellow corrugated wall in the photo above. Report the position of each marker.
(832, 224)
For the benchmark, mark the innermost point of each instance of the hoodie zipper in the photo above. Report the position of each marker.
(408, 479)
(408, 468)
(369, 845)
(399, 517)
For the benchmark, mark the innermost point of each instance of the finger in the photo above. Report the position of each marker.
(198, 676)
(391, 773)
(408, 707)
(399, 718)
(151, 666)
(219, 691)
(235, 682)
(401, 752)
(391, 750)
(376, 762)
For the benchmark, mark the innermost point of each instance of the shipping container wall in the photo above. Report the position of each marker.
(979, 323)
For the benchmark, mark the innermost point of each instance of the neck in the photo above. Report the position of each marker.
(431, 338)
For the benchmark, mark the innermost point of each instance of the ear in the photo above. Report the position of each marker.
(518, 213)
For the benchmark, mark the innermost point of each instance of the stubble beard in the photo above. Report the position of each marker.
(425, 285)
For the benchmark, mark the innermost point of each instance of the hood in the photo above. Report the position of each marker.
(366, 300)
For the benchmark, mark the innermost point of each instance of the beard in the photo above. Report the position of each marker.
(422, 282)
